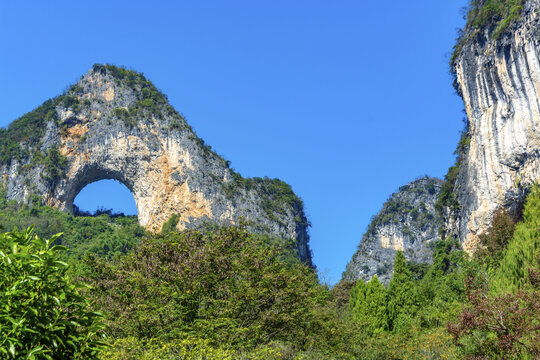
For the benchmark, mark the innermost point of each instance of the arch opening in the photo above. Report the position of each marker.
(107, 196)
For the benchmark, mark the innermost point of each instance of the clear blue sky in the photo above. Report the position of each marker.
(344, 100)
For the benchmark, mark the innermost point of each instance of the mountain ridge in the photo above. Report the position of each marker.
(115, 124)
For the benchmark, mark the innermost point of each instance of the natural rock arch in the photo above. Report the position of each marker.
(114, 124)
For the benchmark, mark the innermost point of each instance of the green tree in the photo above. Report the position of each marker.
(402, 295)
(43, 314)
(368, 305)
(224, 286)
(523, 251)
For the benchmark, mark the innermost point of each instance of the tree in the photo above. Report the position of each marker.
(494, 242)
(368, 305)
(223, 286)
(402, 296)
(43, 314)
(505, 326)
(523, 251)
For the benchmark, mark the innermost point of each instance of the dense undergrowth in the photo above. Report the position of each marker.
(223, 293)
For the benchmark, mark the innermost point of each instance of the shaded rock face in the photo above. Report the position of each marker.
(407, 222)
(114, 124)
(500, 86)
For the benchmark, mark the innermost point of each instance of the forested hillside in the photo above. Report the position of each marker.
(75, 285)
(224, 293)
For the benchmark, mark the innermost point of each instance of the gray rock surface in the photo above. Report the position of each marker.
(407, 222)
(114, 124)
(499, 81)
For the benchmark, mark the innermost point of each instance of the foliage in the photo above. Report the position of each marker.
(170, 225)
(447, 198)
(368, 305)
(523, 250)
(222, 286)
(495, 15)
(105, 235)
(55, 165)
(399, 207)
(502, 314)
(149, 98)
(43, 315)
(505, 326)
(494, 242)
(277, 197)
(22, 139)
(416, 344)
(402, 296)
(28, 129)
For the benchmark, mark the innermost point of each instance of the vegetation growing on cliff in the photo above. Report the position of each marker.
(278, 196)
(402, 205)
(495, 15)
(447, 198)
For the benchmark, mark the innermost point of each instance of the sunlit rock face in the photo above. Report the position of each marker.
(114, 124)
(407, 222)
(499, 82)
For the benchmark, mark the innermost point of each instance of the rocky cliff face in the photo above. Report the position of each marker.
(499, 81)
(407, 222)
(114, 124)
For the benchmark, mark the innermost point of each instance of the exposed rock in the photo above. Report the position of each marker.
(407, 222)
(114, 124)
(499, 81)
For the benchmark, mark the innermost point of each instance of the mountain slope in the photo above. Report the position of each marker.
(497, 73)
(407, 222)
(115, 124)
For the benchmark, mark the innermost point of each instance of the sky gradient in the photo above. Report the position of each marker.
(344, 100)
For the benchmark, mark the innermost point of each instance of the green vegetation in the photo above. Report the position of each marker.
(225, 287)
(401, 206)
(102, 235)
(277, 197)
(22, 137)
(368, 305)
(221, 292)
(170, 225)
(21, 141)
(523, 251)
(149, 98)
(43, 314)
(402, 298)
(495, 15)
(447, 198)
(494, 242)
(55, 165)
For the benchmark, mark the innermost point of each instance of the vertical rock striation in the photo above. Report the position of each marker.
(115, 124)
(499, 81)
(407, 222)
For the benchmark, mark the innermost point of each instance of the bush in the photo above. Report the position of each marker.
(223, 286)
(43, 315)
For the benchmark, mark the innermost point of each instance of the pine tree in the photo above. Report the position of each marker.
(377, 299)
(402, 296)
(368, 305)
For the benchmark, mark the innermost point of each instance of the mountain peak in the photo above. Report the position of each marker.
(115, 124)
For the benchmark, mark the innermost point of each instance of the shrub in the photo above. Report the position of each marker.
(43, 315)
(223, 286)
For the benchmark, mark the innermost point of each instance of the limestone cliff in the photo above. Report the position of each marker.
(114, 124)
(407, 222)
(497, 69)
